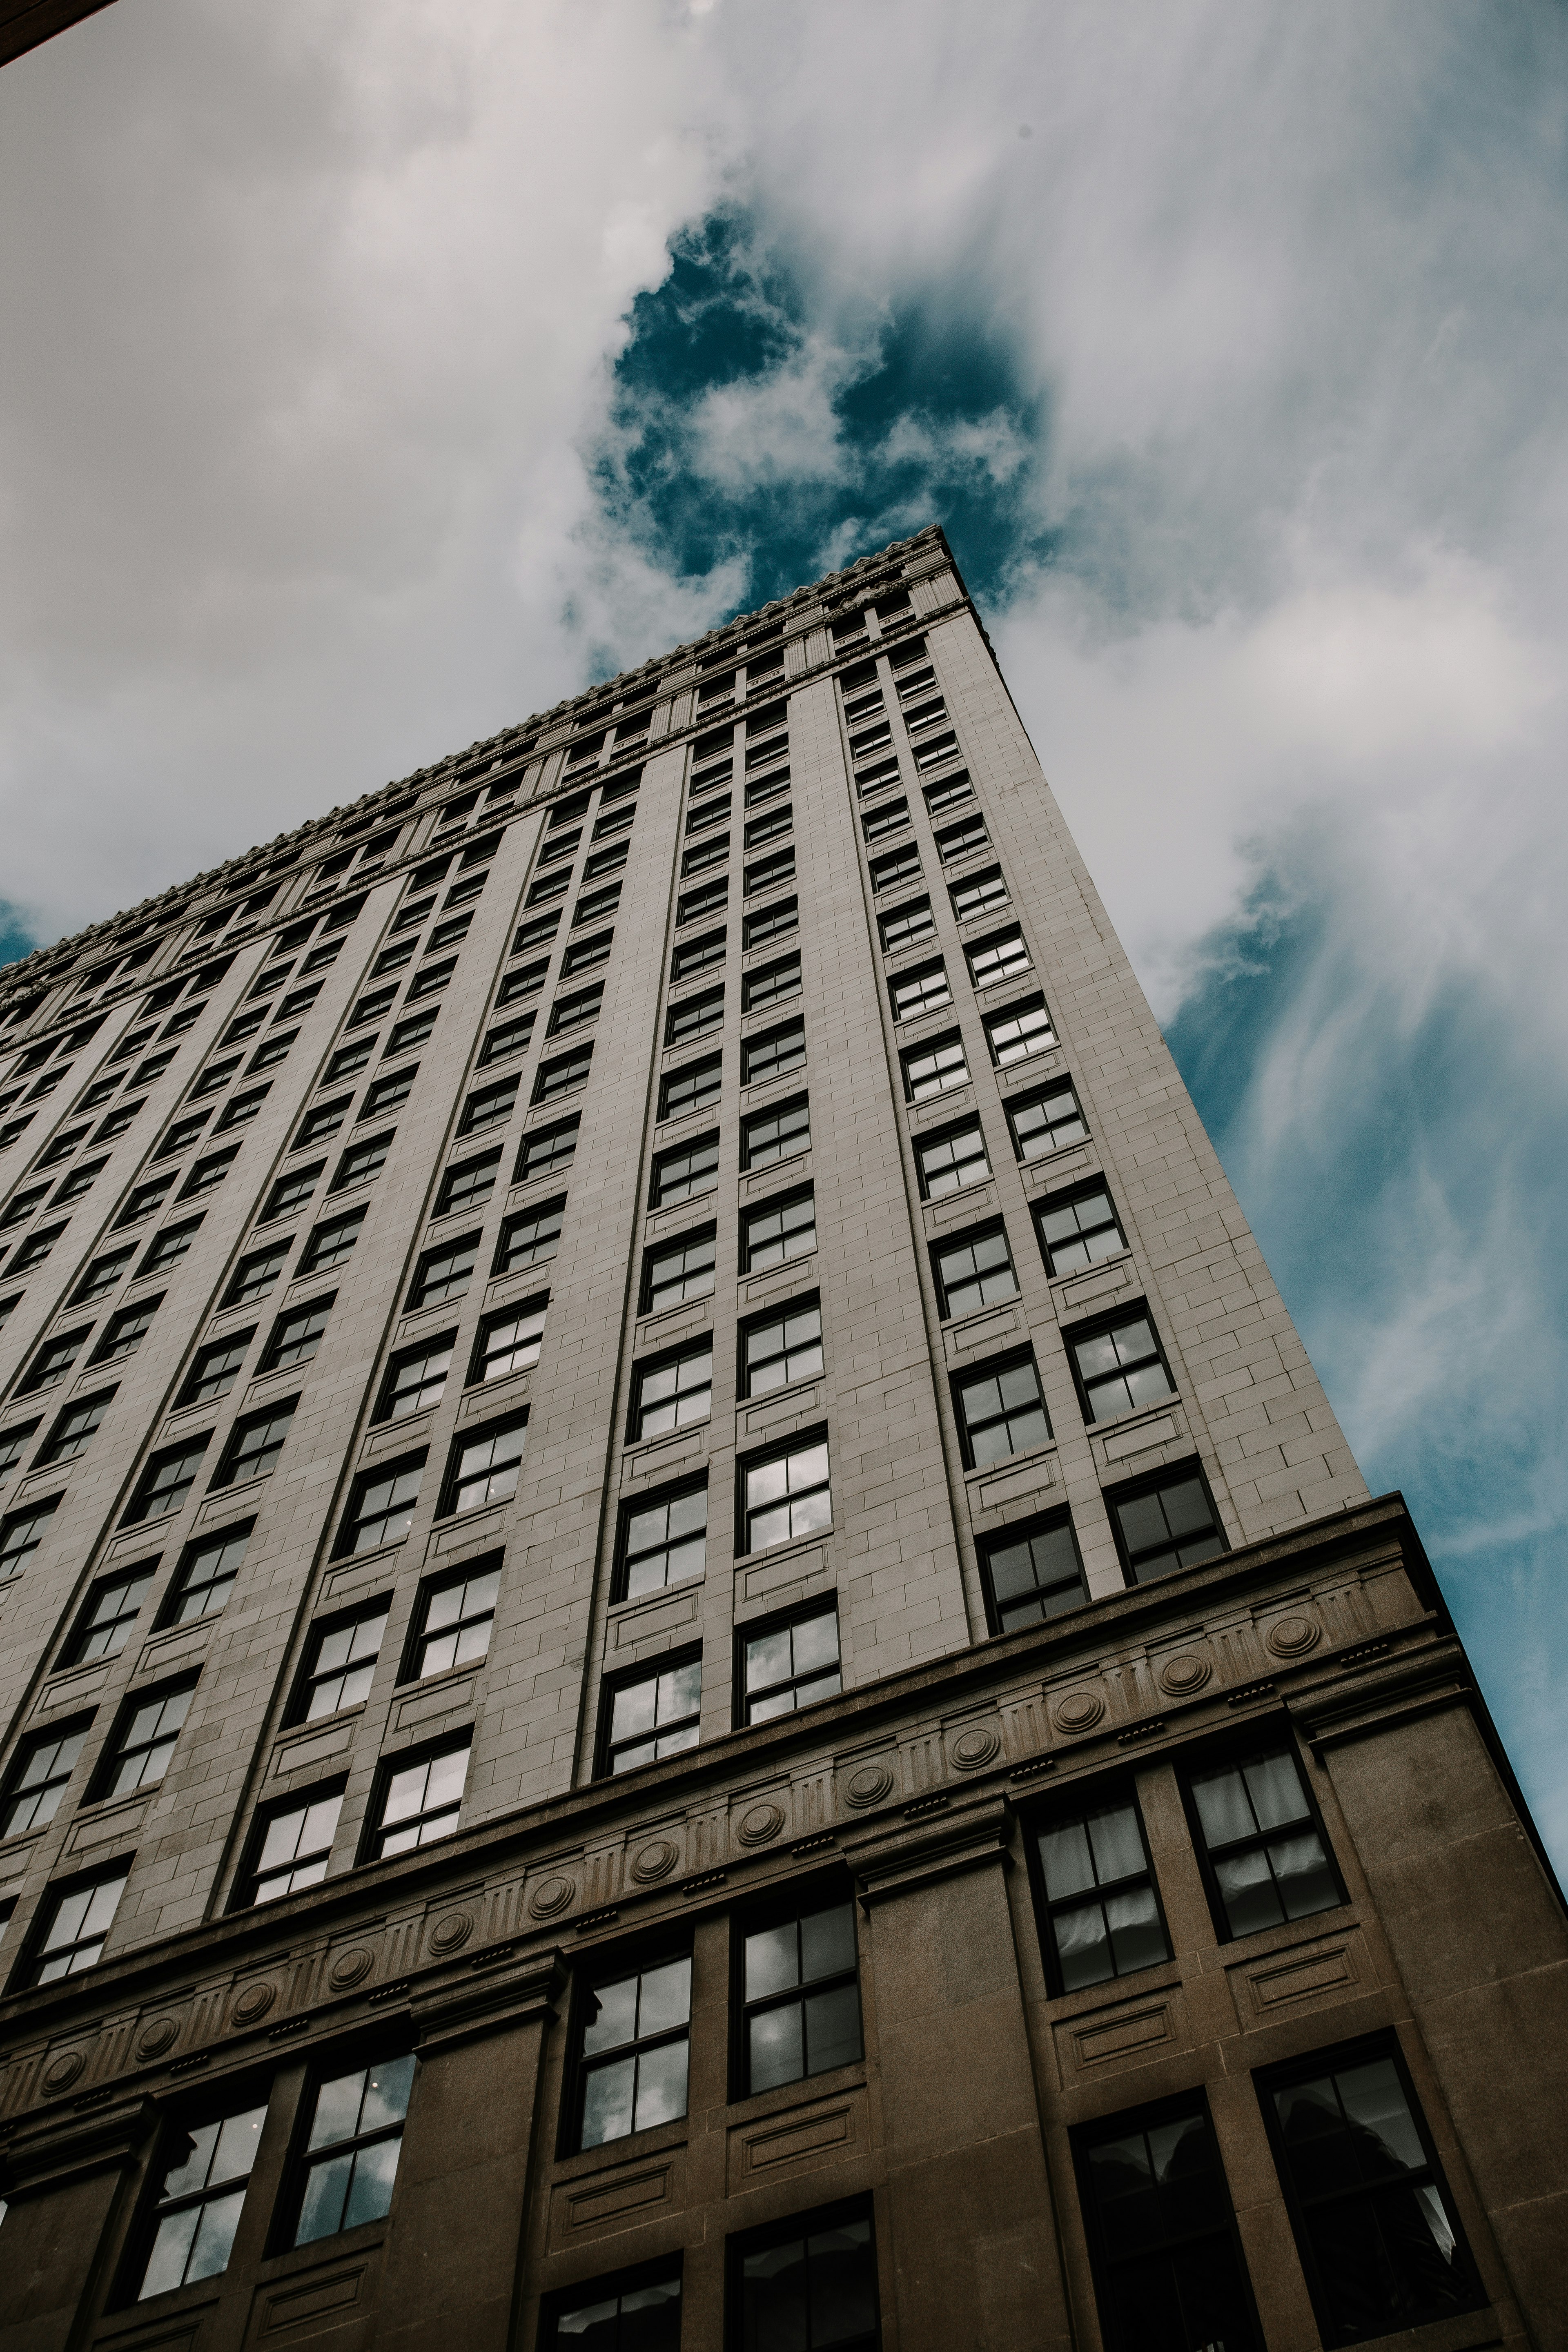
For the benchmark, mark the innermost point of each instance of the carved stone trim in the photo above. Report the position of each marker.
(489, 2004)
(63, 2149)
(971, 1835)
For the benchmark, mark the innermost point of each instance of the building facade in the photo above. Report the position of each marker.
(687, 1654)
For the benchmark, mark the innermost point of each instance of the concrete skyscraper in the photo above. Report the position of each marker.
(687, 1657)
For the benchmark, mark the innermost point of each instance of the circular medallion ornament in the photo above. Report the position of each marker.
(655, 1861)
(350, 1968)
(972, 1749)
(154, 2038)
(253, 2003)
(1185, 1673)
(1079, 1711)
(869, 1785)
(450, 1934)
(1291, 1637)
(61, 2071)
(762, 1822)
(551, 1895)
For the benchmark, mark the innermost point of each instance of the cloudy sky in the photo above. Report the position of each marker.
(376, 373)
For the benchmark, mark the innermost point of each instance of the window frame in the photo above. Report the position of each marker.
(994, 1368)
(688, 1653)
(180, 1585)
(1230, 1753)
(1123, 2126)
(345, 1547)
(1068, 1196)
(698, 1346)
(563, 2302)
(248, 1878)
(777, 1315)
(425, 1752)
(310, 1671)
(633, 1506)
(666, 1247)
(504, 1425)
(785, 1620)
(1042, 1523)
(794, 1900)
(1101, 1326)
(1065, 1807)
(410, 1671)
(776, 1111)
(360, 2055)
(967, 1239)
(35, 1951)
(613, 1964)
(815, 2221)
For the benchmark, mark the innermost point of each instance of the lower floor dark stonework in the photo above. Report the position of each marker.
(1181, 1976)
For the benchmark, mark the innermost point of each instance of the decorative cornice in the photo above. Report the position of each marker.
(73, 2145)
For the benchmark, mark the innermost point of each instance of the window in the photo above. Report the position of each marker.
(36, 1248)
(948, 1161)
(381, 1507)
(786, 1494)
(638, 2313)
(662, 1542)
(75, 1429)
(13, 1445)
(878, 823)
(975, 1271)
(697, 955)
(507, 1038)
(562, 1076)
(414, 911)
(681, 1175)
(255, 1443)
(530, 1240)
(677, 1270)
(293, 1844)
(711, 852)
(694, 1016)
(781, 1347)
(242, 1110)
(363, 1161)
(296, 1335)
(1264, 1849)
(416, 1378)
(593, 905)
(509, 1343)
(771, 827)
(789, 1665)
(1375, 2226)
(1165, 1522)
(1033, 1574)
(1120, 1367)
(111, 1608)
(290, 1193)
(351, 2155)
(53, 1360)
(605, 861)
(1001, 1412)
(585, 954)
(426, 982)
(998, 957)
(632, 2053)
(125, 1330)
(774, 1055)
(340, 1664)
(453, 929)
(1022, 1030)
(64, 1145)
(1078, 1231)
(457, 1620)
(22, 1205)
(898, 866)
(770, 984)
(807, 2282)
(143, 1741)
(331, 1242)
(780, 1230)
(650, 1714)
(692, 1088)
(104, 1273)
(324, 1120)
(420, 1801)
(444, 1273)
(197, 2209)
(779, 921)
(545, 1149)
(489, 1105)
(389, 1092)
(412, 1031)
(1168, 2270)
(924, 990)
(466, 1186)
(776, 1134)
(957, 840)
(935, 1068)
(485, 1466)
(674, 1391)
(254, 1275)
(693, 904)
(119, 1120)
(166, 1481)
(1103, 1916)
(534, 934)
(1043, 1123)
(205, 1577)
(801, 1996)
(76, 1924)
(372, 1007)
(904, 924)
(37, 1781)
(711, 813)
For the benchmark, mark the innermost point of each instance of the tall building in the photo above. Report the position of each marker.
(688, 1656)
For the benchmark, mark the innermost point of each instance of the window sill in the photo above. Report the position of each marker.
(760, 2106)
(612, 2154)
(755, 1180)
(797, 1544)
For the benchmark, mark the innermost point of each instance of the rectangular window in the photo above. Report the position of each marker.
(111, 1608)
(902, 926)
(563, 1075)
(789, 1663)
(509, 1343)
(587, 954)
(776, 1133)
(527, 981)
(36, 1781)
(1102, 1915)
(770, 984)
(489, 1105)
(104, 1273)
(144, 1740)
(485, 1466)
(1168, 2270)
(255, 1443)
(166, 1481)
(898, 866)
(340, 1664)
(389, 1093)
(605, 861)
(694, 1016)
(351, 2155)
(466, 1186)
(1078, 1231)
(125, 1330)
(662, 1542)
(13, 1445)
(1032, 1574)
(924, 990)
(704, 854)
(677, 1270)
(935, 1068)
(416, 1378)
(290, 1847)
(551, 886)
(650, 1714)
(778, 1231)
(363, 1162)
(673, 1391)
(711, 813)
(781, 1347)
(808, 2282)
(76, 1924)
(696, 955)
(957, 840)
(774, 1055)
(1044, 1123)
(372, 1007)
(430, 980)
(414, 911)
(455, 1618)
(531, 1240)
(632, 2056)
(595, 905)
(800, 1995)
(381, 1507)
(544, 1149)
(534, 934)
(290, 1193)
(997, 958)
(682, 1175)
(207, 1174)
(254, 1275)
(779, 921)
(878, 823)
(578, 1006)
(74, 1429)
(1375, 2226)
(1165, 1522)
(324, 1120)
(1262, 1844)
(205, 1577)
(692, 1088)
(1001, 1412)
(420, 1801)
(693, 904)
(36, 1248)
(53, 1360)
(638, 2311)
(450, 933)
(973, 1271)
(771, 827)
(200, 2193)
(1022, 1030)
(215, 1368)
(951, 1160)
(1119, 1368)
(296, 1335)
(242, 1110)
(786, 1494)
(331, 1242)
(115, 1125)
